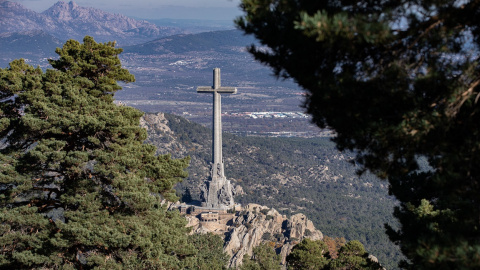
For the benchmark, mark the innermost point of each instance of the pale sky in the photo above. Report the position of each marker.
(153, 9)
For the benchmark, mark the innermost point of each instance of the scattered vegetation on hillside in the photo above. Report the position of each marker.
(291, 175)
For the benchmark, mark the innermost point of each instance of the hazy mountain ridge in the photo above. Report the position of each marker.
(34, 46)
(224, 41)
(70, 21)
(195, 25)
(17, 18)
(35, 42)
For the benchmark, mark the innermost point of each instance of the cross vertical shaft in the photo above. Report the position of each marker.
(217, 133)
(217, 153)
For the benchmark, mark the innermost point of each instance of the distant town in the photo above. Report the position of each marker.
(256, 115)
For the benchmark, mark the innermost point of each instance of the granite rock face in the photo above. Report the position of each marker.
(157, 127)
(255, 225)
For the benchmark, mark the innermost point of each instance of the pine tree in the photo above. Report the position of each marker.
(399, 82)
(308, 254)
(263, 258)
(78, 187)
(210, 254)
(353, 256)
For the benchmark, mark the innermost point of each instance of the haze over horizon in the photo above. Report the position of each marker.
(150, 9)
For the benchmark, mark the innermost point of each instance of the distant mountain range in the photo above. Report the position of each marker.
(35, 36)
(69, 21)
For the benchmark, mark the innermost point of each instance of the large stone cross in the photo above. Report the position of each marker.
(218, 192)
(217, 89)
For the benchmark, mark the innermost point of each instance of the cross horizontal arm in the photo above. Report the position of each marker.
(209, 89)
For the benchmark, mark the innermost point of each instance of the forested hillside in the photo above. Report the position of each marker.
(292, 175)
(218, 41)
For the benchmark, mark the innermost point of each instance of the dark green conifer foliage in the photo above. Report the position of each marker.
(210, 254)
(353, 256)
(399, 82)
(263, 258)
(78, 187)
(308, 254)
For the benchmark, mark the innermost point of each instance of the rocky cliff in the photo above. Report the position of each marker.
(254, 225)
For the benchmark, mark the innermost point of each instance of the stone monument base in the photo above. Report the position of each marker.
(217, 193)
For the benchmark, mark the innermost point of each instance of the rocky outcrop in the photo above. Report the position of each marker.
(254, 225)
(157, 127)
(155, 123)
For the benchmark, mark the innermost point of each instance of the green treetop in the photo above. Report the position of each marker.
(308, 254)
(78, 187)
(353, 256)
(399, 83)
(210, 254)
(263, 258)
(99, 63)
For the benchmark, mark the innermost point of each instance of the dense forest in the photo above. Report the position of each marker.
(292, 175)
